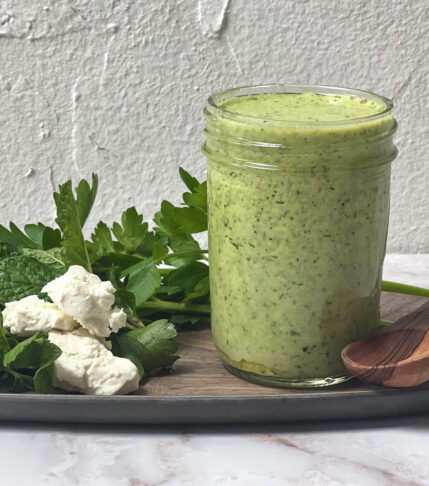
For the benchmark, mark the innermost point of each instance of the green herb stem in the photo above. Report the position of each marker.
(404, 289)
(180, 254)
(384, 323)
(168, 306)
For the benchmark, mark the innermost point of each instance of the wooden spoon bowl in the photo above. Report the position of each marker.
(396, 356)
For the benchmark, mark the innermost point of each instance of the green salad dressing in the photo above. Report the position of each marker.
(298, 215)
(302, 107)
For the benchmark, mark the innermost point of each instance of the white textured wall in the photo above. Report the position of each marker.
(117, 87)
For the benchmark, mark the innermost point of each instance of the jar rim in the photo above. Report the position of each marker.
(214, 101)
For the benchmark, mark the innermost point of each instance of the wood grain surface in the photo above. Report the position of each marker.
(199, 371)
(396, 356)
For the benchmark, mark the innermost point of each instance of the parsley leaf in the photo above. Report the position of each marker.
(127, 301)
(201, 289)
(197, 198)
(150, 348)
(133, 231)
(15, 238)
(144, 283)
(44, 237)
(188, 276)
(167, 226)
(189, 220)
(190, 182)
(179, 223)
(102, 242)
(184, 221)
(38, 236)
(85, 196)
(68, 220)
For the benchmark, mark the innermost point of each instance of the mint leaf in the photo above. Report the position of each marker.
(4, 344)
(23, 275)
(85, 197)
(53, 257)
(28, 365)
(143, 283)
(68, 220)
(133, 231)
(32, 353)
(153, 347)
(43, 379)
(17, 382)
(4, 252)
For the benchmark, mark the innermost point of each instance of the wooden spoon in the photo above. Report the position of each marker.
(396, 356)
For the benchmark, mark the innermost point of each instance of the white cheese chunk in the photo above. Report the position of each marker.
(86, 366)
(88, 299)
(27, 316)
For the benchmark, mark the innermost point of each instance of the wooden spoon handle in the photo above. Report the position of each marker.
(416, 319)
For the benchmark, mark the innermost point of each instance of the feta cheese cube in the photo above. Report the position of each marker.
(27, 316)
(86, 366)
(88, 299)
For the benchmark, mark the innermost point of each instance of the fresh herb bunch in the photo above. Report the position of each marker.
(161, 277)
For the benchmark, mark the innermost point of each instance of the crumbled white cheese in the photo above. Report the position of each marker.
(27, 316)
(87, 299)
(86, 366)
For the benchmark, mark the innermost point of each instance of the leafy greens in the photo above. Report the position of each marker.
(160, 276)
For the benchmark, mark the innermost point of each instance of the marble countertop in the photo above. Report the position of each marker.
(383, 452)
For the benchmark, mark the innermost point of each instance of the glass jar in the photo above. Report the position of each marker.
(298, 197)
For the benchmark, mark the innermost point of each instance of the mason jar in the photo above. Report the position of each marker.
(298, 198)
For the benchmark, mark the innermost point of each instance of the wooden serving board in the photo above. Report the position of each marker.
(201, 391)
(199, 371)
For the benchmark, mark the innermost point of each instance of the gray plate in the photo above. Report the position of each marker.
(359, 403)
